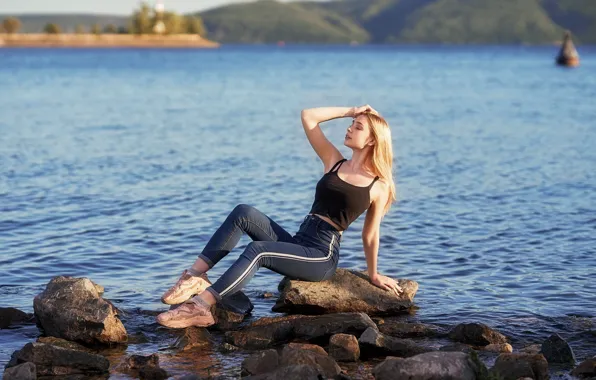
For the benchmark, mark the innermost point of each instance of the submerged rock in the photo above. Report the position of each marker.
(586, 369)
(556, 350)
(10, 316)
(270, 331)
(138, 361)
(400, 329)
(53, 360)
(568, 55)
(373, 343)
(71, 308)
(193, 337)
(346, 291)
(514, 366)
(477, 334)
(430, 365)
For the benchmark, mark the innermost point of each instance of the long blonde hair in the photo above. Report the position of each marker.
(382, 156)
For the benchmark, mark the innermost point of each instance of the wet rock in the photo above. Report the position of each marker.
(457, 347)
(346, 291)
(138, 361)
(344, 348)
(270, 331)
(308, 347)
(556, 350)
(260, 362)
(430, 365)
(231, 311)
(190, 377)
(149, 372)
(71, 308)
(301, 371)
(514, 366)
(25, 371)
(267, 295)
(226, 348)
(62, 343)
(586, 369)
(100, 289)
(499, 348)
(51, 360)
(322, 362)
(410, 330)
(532, 349)
(373, 343)
(193, 337)
(10, 316)
(477, 334)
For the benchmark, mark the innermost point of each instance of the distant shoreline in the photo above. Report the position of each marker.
(88, 40)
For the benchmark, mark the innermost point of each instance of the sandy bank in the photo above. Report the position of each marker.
(105, 40)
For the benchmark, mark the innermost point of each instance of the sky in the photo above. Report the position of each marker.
(123, 7)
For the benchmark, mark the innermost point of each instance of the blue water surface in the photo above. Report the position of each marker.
(119, 164)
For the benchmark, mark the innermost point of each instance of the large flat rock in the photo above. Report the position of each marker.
(347, 291)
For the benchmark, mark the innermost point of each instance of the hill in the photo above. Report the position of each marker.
(34, 23)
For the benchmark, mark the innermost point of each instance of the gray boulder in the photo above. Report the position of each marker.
(71, 308)
(260, 362)
(25, 371)
(514, 366)
(270, 331)
(322, 362)
(477, 334)
(53, 360)
(556, 350)
(399, 329)
(346, 291)
(430, 366)
(373, 343)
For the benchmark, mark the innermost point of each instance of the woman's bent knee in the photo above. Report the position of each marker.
(242, 210)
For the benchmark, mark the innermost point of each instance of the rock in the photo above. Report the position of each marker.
(193, 337)
(477, 334)
(260, 362)
(149, 372)
(346, 291)
(531, 349)
(324, 364)
(25, 371)
(344, 348)
(301, 371)
(457, 347)
(71, 308)
(427, 366)
(373, 343)
(231, 311)
(226, 348)
(100, 289)
(586, 369)
(270, 331)
(514, 366)
(556, 350)
(410, 330)
(498, 347)
(190, 377)
(62, 343)
(267, 295)
(138, 361)
(51, 360)
(11, 316)
(309, 347)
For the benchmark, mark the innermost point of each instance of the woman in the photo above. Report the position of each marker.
(349, 187)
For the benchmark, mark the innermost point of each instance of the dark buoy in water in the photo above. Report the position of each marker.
(568, 54)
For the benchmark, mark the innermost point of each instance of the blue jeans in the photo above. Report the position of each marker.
(311, 254)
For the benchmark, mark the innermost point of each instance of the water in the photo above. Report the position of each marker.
(119, 164)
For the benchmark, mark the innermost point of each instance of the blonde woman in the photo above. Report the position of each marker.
(346, 190)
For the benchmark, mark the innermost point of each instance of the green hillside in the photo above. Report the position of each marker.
(268, 21)
(379, 21)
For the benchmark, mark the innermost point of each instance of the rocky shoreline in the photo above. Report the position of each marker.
(40, 40)
(343, 328)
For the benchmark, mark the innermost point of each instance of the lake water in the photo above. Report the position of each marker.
(119, 164)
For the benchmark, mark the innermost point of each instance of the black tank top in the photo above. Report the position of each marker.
(339, 200)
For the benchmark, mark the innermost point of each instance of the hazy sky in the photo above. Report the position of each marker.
(123, 7)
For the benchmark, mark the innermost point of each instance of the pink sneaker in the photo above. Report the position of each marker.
(188, 314)
(186, 287)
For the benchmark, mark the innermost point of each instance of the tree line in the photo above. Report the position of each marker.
(142, 21)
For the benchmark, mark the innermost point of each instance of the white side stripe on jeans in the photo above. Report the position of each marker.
(282, 255)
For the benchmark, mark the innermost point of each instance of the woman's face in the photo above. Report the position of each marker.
(358, 135)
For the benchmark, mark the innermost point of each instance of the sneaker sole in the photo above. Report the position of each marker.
(183, 297)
